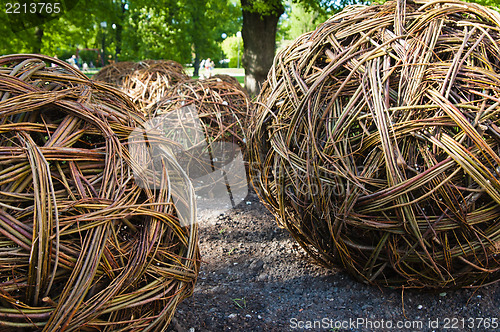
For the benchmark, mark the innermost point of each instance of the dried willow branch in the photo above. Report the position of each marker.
(151, 83)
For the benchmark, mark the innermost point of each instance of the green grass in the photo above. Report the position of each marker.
(240, 79)
(241, 303)
(91, 72)
(238, 73)
(227, 71)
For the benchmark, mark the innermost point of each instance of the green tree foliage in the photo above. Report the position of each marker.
(230, 49)
(184, 31)
(301, 20)
(491, 3)
(77, 27)
(134, 30)
(179, 30)
(155, 32)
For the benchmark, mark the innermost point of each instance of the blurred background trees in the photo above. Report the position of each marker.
(187, 31)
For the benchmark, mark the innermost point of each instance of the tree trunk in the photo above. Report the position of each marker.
(37, 45)
(259, 44)
(197, 25)
(196, 65)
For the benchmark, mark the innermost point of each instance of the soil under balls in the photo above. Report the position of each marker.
(254, 277)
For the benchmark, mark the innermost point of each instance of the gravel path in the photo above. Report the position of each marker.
(255, 278)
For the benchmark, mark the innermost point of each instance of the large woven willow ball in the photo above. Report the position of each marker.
(83, 246)
(376, 143)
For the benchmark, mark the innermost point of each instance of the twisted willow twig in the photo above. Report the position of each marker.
(150, 84)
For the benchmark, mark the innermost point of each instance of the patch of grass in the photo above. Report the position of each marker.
(238, 73)
(240, 303)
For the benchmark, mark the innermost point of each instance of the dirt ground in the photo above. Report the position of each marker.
(254, 277)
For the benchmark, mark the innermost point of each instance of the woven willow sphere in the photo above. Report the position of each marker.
(376, 143)
(116, 73)
(83, 246)
(221, 106)
(152, 80)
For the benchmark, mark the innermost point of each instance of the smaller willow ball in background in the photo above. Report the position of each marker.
(221, 106)
(118, 72)
(83, 246)
(153, 79)
(376, 143)
(207, 119)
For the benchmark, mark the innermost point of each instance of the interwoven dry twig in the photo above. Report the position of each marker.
(376, 143)
(222, 107)
(117, 72)
(83, 246)
(150, 84)
(230, 79)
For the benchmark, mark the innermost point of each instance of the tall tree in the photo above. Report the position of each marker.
(76, 25)
(260, 19)
(208, 20)
(184, 30)
(122, 11)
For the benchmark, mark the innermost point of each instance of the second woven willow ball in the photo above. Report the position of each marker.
(376, 143)
(84, 246)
